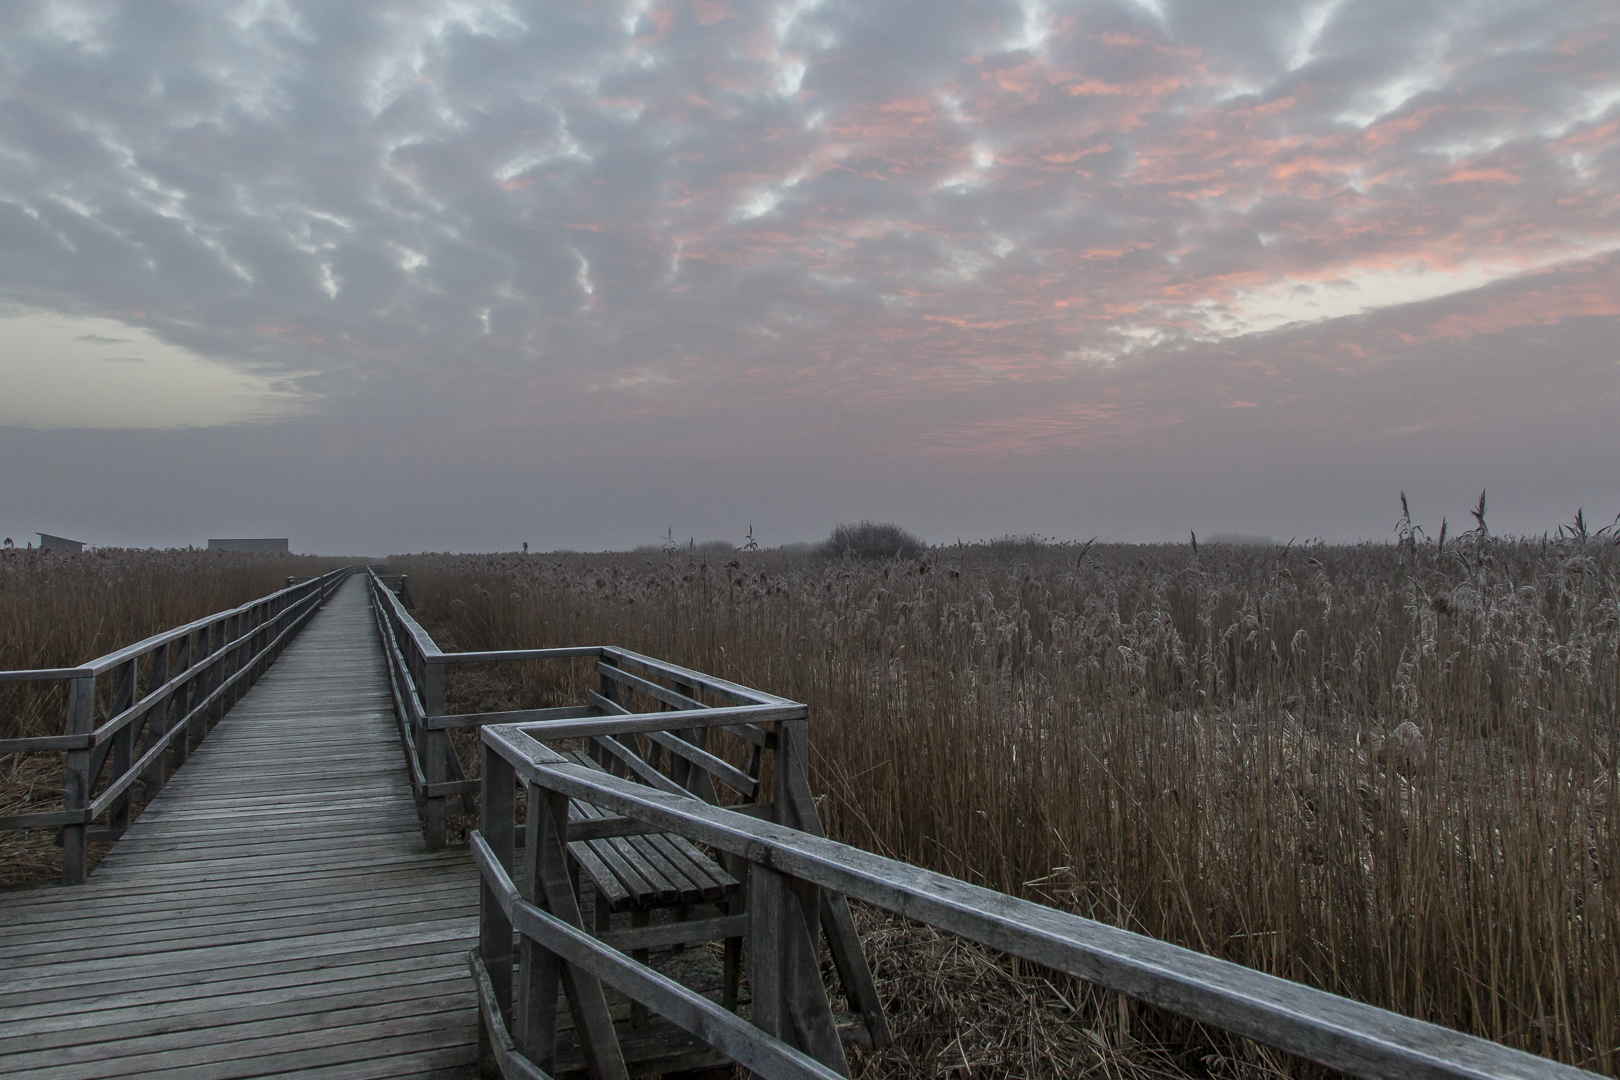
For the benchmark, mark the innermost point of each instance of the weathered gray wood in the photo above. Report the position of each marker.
(675, 933)
(303, 1003)
(191, 993)
(122, 745)
(156, 773)
(514, 716)
(81, 718)
(739, 719)
(556, 889)
(707, 876)
(611, 894)
(539, 977)
(1331, 1030)
(434, 746)
(40, 819)
(339, 1017)
(636, 764)
(564, 652)
(648, 687)
(495, 930)
(690, 1010)
(45, 674)
(46, 742)
(720, 769)
(499, 1055)
(721, 688)
(272, 910)
(789, 1001)
(796, 808)
(103, 664)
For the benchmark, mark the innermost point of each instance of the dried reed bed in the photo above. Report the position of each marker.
(60, 610)
(1384, 770)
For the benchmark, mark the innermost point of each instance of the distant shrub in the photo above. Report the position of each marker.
(670, 547)
(871, 540)
(1241, 540)
(1011, 545)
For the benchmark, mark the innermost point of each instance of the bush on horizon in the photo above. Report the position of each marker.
(871, 540)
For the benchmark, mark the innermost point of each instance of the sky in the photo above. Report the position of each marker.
(389, 277)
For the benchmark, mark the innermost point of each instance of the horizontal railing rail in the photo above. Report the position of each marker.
(416, 672)
(791, 872)
(168, 691)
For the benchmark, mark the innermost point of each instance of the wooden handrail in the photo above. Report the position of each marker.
(414, 660)
(193, 689)
(1334, 1031)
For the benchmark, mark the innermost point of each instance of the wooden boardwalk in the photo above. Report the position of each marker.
(272, 912)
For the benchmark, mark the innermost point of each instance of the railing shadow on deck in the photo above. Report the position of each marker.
(796, 882)
(168, 692)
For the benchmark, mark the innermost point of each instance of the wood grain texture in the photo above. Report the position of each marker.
(272, 911)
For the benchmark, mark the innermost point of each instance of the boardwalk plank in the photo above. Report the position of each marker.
(272, 912)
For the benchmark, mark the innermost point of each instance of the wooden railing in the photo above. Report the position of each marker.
(416, 680)
(797, 882)
(789, 871)
(167, 692)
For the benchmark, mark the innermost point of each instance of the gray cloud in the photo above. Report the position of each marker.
(999, 242)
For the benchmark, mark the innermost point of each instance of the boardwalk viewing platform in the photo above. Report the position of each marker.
(648, 890)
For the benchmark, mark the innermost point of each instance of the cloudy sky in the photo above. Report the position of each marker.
(387, 276)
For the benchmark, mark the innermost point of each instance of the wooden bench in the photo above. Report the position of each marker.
(633, 873)
(639, 874)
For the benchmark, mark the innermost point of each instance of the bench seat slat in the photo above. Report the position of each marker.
(638, 871)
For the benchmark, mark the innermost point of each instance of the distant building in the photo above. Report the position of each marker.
(59, 543)
(263, 543)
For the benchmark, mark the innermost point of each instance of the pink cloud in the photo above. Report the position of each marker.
(709, 12)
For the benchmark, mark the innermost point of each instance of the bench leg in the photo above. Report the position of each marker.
(683, 912)
(736, 904)
(639, 916)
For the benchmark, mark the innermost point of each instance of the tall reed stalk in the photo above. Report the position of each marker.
(62, 609)
(1387, 771)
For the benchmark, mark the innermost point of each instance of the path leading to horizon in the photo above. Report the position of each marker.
(273, 911)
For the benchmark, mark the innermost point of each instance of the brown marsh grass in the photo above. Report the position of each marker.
(1388, 771)
(60, 610)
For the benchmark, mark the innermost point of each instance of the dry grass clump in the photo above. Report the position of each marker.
(960, 1009)
(60, 610)
(1387, 771)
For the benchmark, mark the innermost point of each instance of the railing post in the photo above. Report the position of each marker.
(267, 634)
(784, 973)
(157, 720)
(534, 999)
(225, 629)
(123, 747)
(180, 704)
(208, 640)
(796, 808)
(233, 661)
(433, 745)
(549, 882)
(256, 640)
(608, 687)
(81, 720)
(494, 928)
